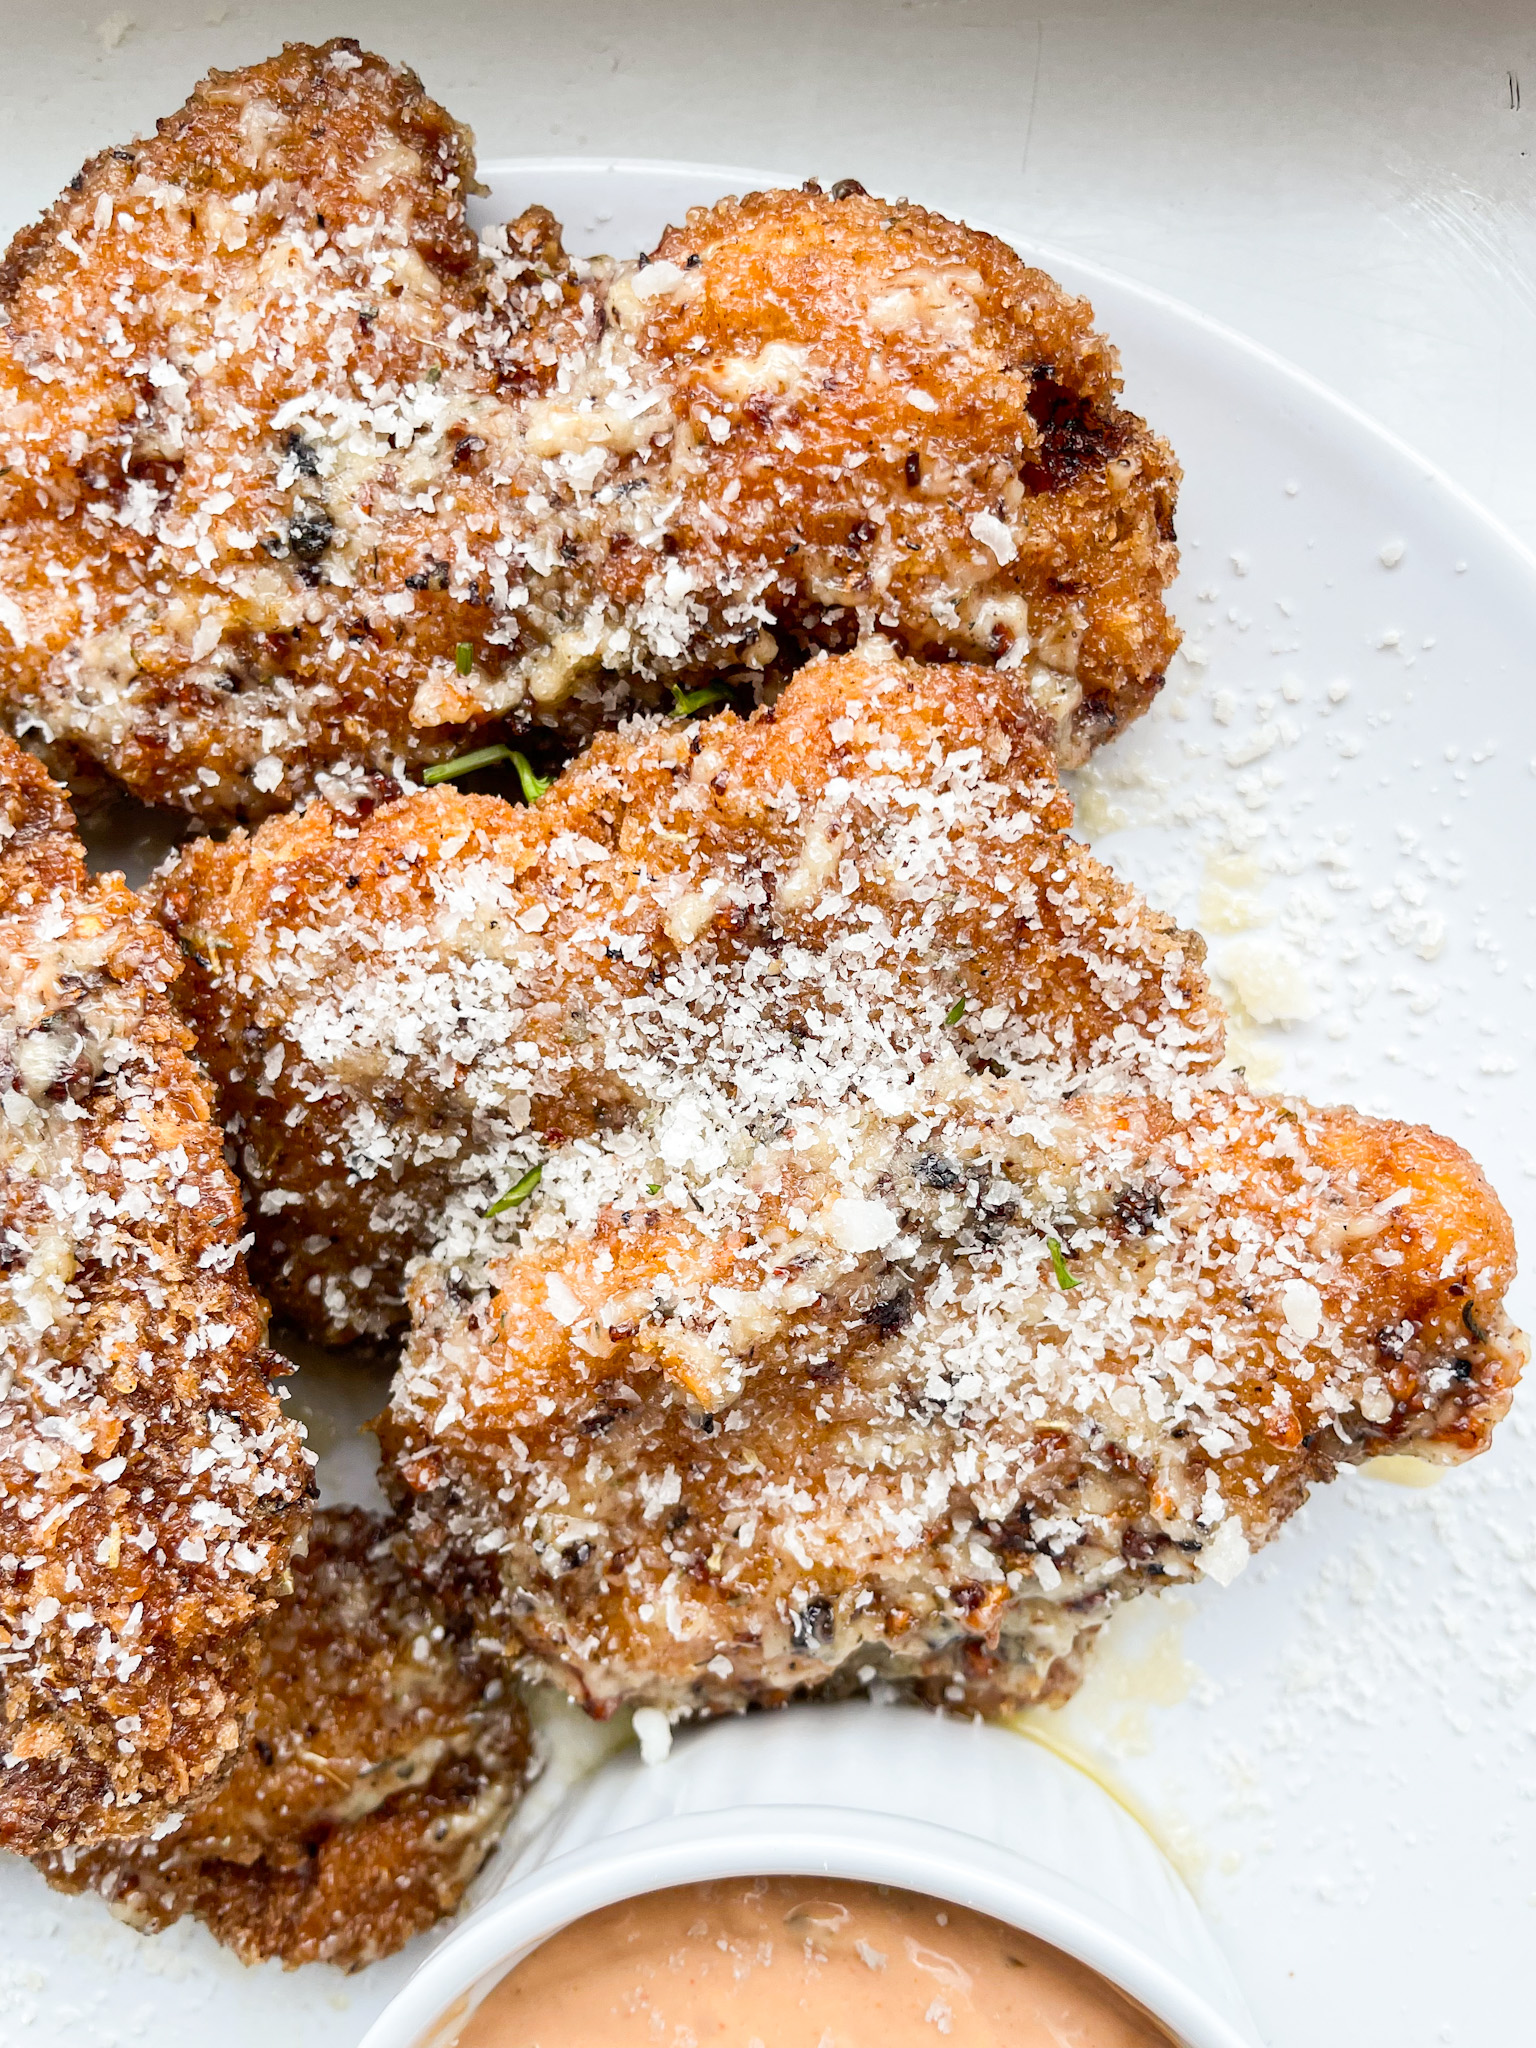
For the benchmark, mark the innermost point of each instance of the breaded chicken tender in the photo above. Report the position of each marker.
(383, 1760)
(404, 1015)
(831, 1247)
(150, 1487)
(300, 481)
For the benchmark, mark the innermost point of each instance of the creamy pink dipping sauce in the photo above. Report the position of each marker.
(790, 1962)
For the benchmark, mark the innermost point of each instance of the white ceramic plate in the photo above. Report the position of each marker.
(1337, 1748)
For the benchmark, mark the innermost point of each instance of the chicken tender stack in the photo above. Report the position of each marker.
(830, 1247)
(383, 1760)
(150, 1488)
(300, 480)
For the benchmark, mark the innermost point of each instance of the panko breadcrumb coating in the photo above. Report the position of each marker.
(835, 1252)
(150, 1487)
(383, 1760)
(301, 481)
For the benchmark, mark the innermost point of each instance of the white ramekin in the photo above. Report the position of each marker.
(956, 1809)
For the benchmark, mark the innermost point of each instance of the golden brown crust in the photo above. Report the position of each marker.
(300, 482)
(150, 1489)
(996, 398)
(899, 1289)
(383, 1760)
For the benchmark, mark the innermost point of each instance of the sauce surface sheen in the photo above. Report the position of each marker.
(787, 1962)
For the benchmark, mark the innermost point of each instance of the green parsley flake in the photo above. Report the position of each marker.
(1064, 1278)
(954, 1013)
(466, 764)
(686, 702)
(533, 786)
(518, 1192)
(464, 657)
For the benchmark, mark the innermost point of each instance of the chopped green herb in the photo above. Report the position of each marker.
(464, 657)
(954, 1013)
(466, 764)
(518, 1192)
(433, 374)
(653, 1187)
(1059, 1265)
(686, 702)
(533, 786)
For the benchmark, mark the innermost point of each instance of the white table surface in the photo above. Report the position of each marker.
(1355, 186)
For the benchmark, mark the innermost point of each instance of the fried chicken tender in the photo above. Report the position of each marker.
(831, 1248)
(301, 481)
(404, 1014)
(383, 1761)
(150, 1487)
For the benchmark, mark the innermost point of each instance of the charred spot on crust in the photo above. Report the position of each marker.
(935, 1172)
(1073, 437)
(1014, 1535)
(892, 1314)
(310, 531)
(301, 454)
(1137, 1210)
(811, 1628)
(1392, 1341)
